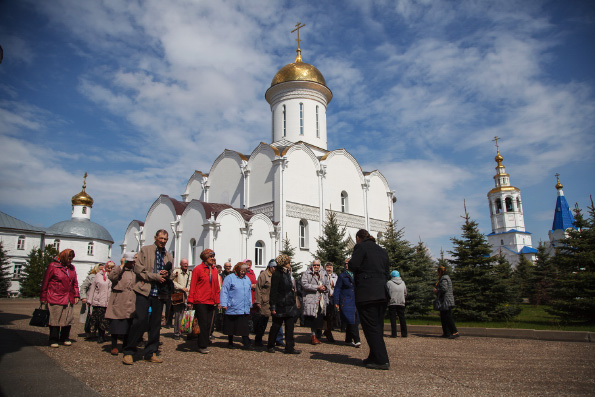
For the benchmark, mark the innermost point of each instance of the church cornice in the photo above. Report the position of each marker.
(504, 189)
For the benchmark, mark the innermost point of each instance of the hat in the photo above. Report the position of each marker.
(129, 256)
(395, 273)
(283, 260)
(272, 263)
(206, 253)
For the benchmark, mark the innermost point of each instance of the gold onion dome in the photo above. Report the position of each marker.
(298, 71)
(82, 198)
(499, 159)
(558, 184)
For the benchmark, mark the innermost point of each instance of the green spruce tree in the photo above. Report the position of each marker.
(332, 245)
(290, 251)
(4, 273)
(544, 276)
(419, 276)
(523, 276)
(574, 298)
(399, 250)
(34, 270)
(481, 287)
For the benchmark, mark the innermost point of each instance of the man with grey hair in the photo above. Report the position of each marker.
(181, 278)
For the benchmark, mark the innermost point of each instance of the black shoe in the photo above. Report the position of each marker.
(454, 336)
(280, 344)
(258, 344)
(230, 346)
(292, 351)
(270, 349)
(100, 339)
(393, 336)
(366, 361)
(445, 336)
(247, 347)
(403, 336)
(384, 367)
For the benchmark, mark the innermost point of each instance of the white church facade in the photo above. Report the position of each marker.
(247, 204)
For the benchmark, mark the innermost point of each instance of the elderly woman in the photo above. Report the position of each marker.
(315, 286)
(236, 300)
(98, 298)
(344, 299)
(283, 305)
(60, 290)
(445, 301)
(85, 307)
(122, 300)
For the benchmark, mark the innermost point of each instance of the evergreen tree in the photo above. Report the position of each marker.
(399, 250)
(4, 273)
(574, 299)
(544, 276)
(419, 275)
(481, 284)
(34, 270)
(332, 245)
(290, 252)
(523, 276)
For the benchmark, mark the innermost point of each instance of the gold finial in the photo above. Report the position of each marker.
(298, 26)
(558, 184)
(82, 198)
(498, 157)
(85, 182)
(496, 140)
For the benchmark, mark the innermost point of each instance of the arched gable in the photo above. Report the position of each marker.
(194, 188)
(228, 242)
(343, 183)
(226, 180)
(262, 174)
(133, 235)
(160, 215)
(192, 226)
(326, 159)
(379, 196)
(300, 176)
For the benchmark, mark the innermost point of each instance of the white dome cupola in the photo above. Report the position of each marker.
(82, 203)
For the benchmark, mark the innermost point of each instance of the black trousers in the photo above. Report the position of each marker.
(371, 315)
(141, 321)
(448, 323)
(395, 311)
(274, 331)
(205, 314)
(351, 333)
(260, 326)
(61, 333)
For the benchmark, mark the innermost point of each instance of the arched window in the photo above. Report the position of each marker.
(519, 208)
(84, 210)
(21, 243)
(508, 202)
(57, 245)
(301, 119)
(90, 249)
(317, 125)
(501, 242)
(284, 121)
(303, 233)
(498, 206)
(259, 253)
(344, 202)
(192, 251)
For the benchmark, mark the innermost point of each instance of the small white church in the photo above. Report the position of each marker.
(247, 204)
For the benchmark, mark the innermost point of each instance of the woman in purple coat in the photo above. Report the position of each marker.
(344, 300)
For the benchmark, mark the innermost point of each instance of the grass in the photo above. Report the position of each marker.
(530, 317)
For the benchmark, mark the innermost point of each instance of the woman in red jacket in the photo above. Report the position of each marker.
(204, 296)
(60, 290)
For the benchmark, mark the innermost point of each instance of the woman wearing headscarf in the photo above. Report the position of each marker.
(60, 290)
(315, 287)
(344, 300)
(283, 305)
(122, 300)
(236, 300)
(98, 298)
(86, 307)
(445, 301)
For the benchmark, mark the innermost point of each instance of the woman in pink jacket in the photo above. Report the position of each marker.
(60, 290)
(98, 297)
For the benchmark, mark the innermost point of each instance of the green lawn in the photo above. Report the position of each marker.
(531, 317)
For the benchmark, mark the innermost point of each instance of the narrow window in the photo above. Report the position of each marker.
(498, 206)
(303, 233)
(21, 243)
(57, 245)
(519, 208)
(501, 242)
(18, 268)
(90, 249)
(508, 202)
(344, 202)
(301, 119)
(192, 251)
(258, 253)
(317, 126)
(284, 122)
(84, 210)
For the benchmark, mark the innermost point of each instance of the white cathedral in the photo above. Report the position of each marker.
(247, 204)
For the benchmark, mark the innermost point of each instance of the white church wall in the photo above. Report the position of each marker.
(378, 201)
(226, 184)
(304, 253)
(161, 214)
(300, 179)
(130, 237)
(194, 189)
(261, 228)
(342, 175)
(193, 231)
(262, 177)
(228, 242)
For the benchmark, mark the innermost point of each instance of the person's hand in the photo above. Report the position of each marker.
(219, 307)
(43, 302)
(253, 287)
(223, 307)
(189, 306)
(258, 305)
(337, 307)
(161, 279)
(435, 291)
(84, 301)
(321, 288)
(274, 312)
(163, 272)
(185, 290)
(76, 300)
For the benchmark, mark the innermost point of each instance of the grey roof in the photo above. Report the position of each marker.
(83, 228)
(10, 222)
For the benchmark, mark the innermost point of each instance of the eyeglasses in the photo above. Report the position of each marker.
(315, 264)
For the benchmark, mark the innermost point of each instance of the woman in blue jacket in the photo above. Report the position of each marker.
(236, 300)
(344, 300)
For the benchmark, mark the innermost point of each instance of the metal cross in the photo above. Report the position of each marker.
(496, 140)
(557, 177)
(298, 26)
(85, 181)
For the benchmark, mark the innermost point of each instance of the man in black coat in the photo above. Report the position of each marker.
(370, 266)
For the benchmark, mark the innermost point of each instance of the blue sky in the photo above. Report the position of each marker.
(141, 94)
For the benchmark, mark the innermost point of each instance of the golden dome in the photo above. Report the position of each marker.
(298, 71)
(558, 184)
(82, 198)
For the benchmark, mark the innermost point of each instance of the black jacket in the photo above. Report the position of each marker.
(370, 266)
(282, 298)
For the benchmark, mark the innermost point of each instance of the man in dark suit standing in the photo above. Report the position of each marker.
(370, 266)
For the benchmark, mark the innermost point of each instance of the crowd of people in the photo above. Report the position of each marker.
(128, 300)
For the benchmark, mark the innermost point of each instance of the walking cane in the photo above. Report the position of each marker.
(212, 323)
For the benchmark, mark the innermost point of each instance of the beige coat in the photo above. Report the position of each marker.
(181, 280)
(122, 300)
(263, 292)
(144, 269)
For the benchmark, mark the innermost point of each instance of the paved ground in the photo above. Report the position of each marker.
(420, 365)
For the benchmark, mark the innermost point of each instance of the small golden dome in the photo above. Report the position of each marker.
(558, 184)
(298, 71)
(498, 158)
(82, 198)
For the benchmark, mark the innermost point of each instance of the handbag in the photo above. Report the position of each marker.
(177, 298)
(41, 317)
(88, 321)
(195, 326)
(186, 324)
(438, 304)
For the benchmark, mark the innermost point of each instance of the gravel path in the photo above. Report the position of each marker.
(420, 365)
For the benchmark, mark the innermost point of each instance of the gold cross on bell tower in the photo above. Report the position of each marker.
(496, 140)
(298, 26)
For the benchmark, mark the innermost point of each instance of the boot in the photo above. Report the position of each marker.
(329, 336)
(315, 340)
